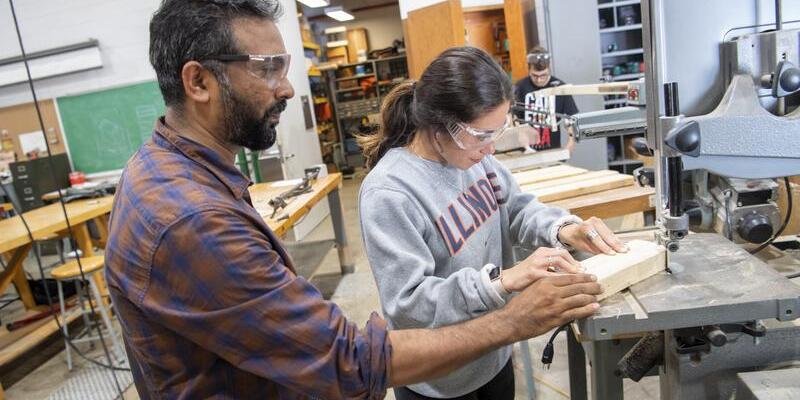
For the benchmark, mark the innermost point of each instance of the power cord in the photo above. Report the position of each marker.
(71, 234)
(549, 351)
(785, 220)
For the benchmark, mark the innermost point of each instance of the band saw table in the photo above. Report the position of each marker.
(711, 282)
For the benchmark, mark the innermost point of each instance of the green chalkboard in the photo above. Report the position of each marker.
(103, 129)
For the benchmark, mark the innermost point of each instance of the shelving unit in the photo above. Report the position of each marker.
(622, 57)
(358, 89)
(323, 111)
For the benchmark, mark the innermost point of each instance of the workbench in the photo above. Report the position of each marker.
(298, 207)
(48, 222)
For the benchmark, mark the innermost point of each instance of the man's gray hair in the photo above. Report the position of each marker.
(192, 30)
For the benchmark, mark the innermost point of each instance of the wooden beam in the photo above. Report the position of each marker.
(609, 203)
(575, 189)
(31, 338)
(544, 174)
(560, 182)
(618, 272)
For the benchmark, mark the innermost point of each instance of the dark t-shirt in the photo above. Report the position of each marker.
(523, 94)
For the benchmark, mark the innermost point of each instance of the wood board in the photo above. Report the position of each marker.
(543, 174)
(580, 188)
(569, 180)
(618, 272)
(609, 203)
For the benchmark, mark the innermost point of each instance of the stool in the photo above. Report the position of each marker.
(70, 271)
(59, 248)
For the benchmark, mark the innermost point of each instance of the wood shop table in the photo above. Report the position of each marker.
(602, 194)
(47, 222)
(298, 207)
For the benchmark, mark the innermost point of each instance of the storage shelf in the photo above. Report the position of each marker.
(622, 28)
(621, 53)
(623, 162)
(347, 78)
(310, 45)
(625, 77)
(349, 90)
(618, 3)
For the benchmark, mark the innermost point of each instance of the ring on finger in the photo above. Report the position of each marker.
(592, 234)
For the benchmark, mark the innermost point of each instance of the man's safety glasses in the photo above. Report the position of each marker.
(270, 68)
(540, 61)
(469, 138)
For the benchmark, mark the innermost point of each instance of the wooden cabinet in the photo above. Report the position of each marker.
(357, 42)
(505, 31)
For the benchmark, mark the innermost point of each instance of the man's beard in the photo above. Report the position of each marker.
(243, 126)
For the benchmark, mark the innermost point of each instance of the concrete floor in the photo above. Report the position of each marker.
(357, 295)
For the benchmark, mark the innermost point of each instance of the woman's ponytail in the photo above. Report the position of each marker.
(397, 124)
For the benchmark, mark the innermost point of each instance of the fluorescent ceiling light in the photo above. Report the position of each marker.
(339, 14)
(315, 3)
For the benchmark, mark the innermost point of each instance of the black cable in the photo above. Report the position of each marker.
(785, 220)
(110, 364)
(794, 275)
(549, 351)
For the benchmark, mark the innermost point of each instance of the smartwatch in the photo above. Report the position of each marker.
(495, 273)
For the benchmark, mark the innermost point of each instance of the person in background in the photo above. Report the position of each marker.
(539, 77)
(440, 216)
(208, 299)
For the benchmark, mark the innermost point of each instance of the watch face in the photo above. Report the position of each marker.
(494, 273)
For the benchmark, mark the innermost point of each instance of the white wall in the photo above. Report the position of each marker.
(292, 133)
(121, 26)
(383, 25)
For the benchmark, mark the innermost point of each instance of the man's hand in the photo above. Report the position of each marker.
(551, 302)
(593, 236)
(543, 262)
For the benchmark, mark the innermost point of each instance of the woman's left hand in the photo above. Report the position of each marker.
(592, 236)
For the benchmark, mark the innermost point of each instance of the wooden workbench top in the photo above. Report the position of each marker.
(50, 219)
(297, 207)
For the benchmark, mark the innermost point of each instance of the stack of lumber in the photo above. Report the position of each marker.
(564, 181)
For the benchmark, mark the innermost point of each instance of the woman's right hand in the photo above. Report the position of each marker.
(545, 261)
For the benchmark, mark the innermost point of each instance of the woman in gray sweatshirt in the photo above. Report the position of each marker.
(440, 215)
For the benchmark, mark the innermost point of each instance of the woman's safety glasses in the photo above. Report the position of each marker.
(469, 138)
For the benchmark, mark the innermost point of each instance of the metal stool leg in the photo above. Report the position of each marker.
(64, 323)
(118, 349)
(527, 364)
(84, 312)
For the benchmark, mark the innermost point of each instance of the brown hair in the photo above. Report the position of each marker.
(459, 85)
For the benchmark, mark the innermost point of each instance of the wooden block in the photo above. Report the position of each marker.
(544, 174)
(618, 272)
(580, 188)
(609, 203)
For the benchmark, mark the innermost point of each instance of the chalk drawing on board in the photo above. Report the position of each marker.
(146, 117)
(113, 142)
